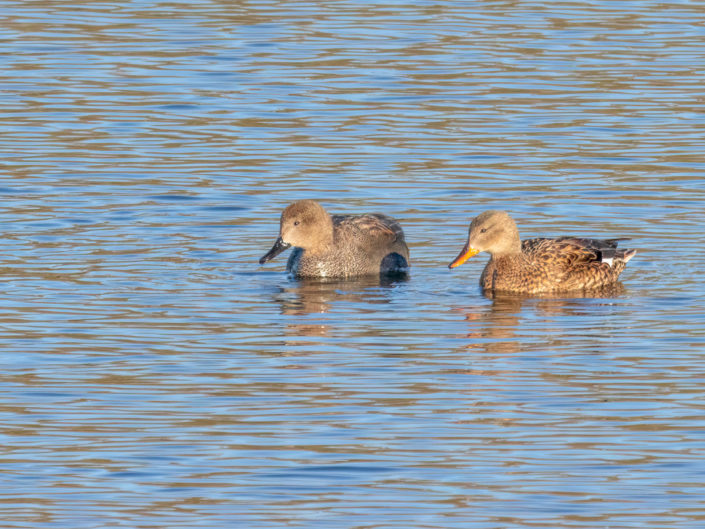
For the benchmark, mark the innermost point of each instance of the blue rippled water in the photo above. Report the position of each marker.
(154, 375)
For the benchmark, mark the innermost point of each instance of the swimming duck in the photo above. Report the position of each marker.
(539, 265)
(339, 246)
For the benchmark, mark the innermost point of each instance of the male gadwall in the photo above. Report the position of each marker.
(339, 246)
(540, 265)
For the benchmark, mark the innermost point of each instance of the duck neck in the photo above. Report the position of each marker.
(324, 238)
(511, 249)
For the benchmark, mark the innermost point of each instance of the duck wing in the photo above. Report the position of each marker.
(576, 250)
(371, 226)
(575, 262)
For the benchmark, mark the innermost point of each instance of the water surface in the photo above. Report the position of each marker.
(154, 375)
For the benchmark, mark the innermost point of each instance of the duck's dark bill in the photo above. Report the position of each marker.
(279, 247)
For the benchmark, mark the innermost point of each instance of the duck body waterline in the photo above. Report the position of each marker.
(339, 246)
(540, 265)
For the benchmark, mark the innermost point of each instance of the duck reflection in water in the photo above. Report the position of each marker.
(492, 328)
(308, 297)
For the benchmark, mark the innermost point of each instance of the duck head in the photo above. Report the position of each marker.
(494, 232)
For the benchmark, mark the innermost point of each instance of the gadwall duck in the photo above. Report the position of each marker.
(339, 246)
(540, 265)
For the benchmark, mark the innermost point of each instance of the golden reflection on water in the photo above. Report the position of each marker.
(316, 296)
(307, 297)
(494, 326)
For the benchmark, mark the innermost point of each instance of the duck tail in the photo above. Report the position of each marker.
(626, 255)
(612, 255)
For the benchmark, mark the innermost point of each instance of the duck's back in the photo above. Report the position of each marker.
(372, 232)
(562, 264)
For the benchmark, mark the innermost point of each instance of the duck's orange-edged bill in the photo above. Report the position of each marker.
(464, 255)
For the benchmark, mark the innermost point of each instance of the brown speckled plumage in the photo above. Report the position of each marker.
(540, 265)
(339, 246)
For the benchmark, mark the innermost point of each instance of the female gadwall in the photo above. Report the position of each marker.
(339, 246)
(540, 265)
